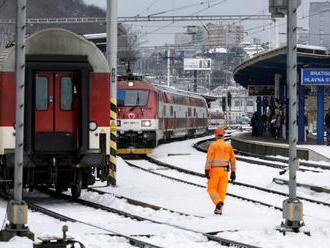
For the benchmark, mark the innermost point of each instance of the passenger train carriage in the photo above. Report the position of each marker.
(67, 106)
(149, 113)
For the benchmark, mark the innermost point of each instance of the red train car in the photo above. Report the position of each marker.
(67, 105)
(149, 113)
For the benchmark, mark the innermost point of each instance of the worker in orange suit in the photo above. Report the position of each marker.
(220, 158)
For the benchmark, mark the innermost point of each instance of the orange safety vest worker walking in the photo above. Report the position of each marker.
(220, 156)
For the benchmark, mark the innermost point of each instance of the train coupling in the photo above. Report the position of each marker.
(58, 242)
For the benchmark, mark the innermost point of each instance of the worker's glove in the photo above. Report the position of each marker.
(207, 174)
(233, 176)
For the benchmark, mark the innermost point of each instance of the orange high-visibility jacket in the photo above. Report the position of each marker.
(220, 154)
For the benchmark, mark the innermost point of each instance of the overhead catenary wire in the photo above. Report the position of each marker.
(180, 8)
(269, 26)
(213, 5)
(148, 8)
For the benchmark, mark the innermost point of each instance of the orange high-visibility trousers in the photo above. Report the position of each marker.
(217, 184)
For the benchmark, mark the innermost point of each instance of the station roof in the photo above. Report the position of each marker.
(260, 69)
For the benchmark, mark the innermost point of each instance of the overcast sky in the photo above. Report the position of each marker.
(160, 34)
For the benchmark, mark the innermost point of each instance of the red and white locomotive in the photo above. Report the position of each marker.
(149, 113)
(67, 105)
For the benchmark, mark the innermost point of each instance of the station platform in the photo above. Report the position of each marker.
(269, 146)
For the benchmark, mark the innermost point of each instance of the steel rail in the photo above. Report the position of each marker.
(211, 237)
(35, 207)
(198, 147)
(140, 203)
(201, 186)
(235, 183)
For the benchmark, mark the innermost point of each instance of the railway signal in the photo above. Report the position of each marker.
(229, 99)
(223, 104)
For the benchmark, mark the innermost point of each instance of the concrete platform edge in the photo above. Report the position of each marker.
(274, 149)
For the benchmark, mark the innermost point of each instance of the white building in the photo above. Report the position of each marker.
(183, 39)
(242, 104)
(319, 24)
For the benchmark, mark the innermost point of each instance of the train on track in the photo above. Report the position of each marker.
(149, 113)
(67, 106)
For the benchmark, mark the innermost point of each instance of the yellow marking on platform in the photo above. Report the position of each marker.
(134, 151)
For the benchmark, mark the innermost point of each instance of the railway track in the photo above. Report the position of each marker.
(139, 203)
(209, 236)
(201, 186)
(37, 208)
(194, 173)
(281, 163)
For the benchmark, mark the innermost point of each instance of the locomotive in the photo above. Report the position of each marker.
(149, 113)
(67, 106)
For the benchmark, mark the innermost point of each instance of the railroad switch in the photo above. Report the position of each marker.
(58, 242)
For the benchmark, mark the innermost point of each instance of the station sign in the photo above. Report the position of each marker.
(315, 76)
(261, 90)
(191, 64)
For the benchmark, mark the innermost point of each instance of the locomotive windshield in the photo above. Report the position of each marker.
(129, 98)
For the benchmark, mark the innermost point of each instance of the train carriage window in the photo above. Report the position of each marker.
(194, 112)
(41, 93)
(66, 93)
(189, 112)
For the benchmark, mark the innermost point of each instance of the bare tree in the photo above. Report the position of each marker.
(128, 49)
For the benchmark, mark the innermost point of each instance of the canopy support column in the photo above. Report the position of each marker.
(320, 114)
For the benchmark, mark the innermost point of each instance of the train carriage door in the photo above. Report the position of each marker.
(56, 111)
(67, 106)
(44, 103)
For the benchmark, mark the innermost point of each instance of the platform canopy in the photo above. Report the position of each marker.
(260, 69)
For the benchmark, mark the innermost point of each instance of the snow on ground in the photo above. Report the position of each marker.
(246, 172)
(242, 221)
(44, 226)
(316, 217)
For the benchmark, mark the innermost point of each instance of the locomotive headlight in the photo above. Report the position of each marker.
(146, 123)
(92, 126)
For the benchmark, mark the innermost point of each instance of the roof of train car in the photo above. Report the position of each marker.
(56, 41)
(179, 92)
(148, 85)
(145, 85)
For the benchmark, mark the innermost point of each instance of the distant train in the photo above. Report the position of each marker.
(67, 106)
(148, 113)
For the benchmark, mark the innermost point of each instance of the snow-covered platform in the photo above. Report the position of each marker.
(268, 146)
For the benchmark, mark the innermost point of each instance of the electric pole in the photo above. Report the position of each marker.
(112, 47)
(292, 204)
(292, 207)
(17, 208)
(168, 68)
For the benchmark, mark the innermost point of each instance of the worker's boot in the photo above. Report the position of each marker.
(218, 208)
